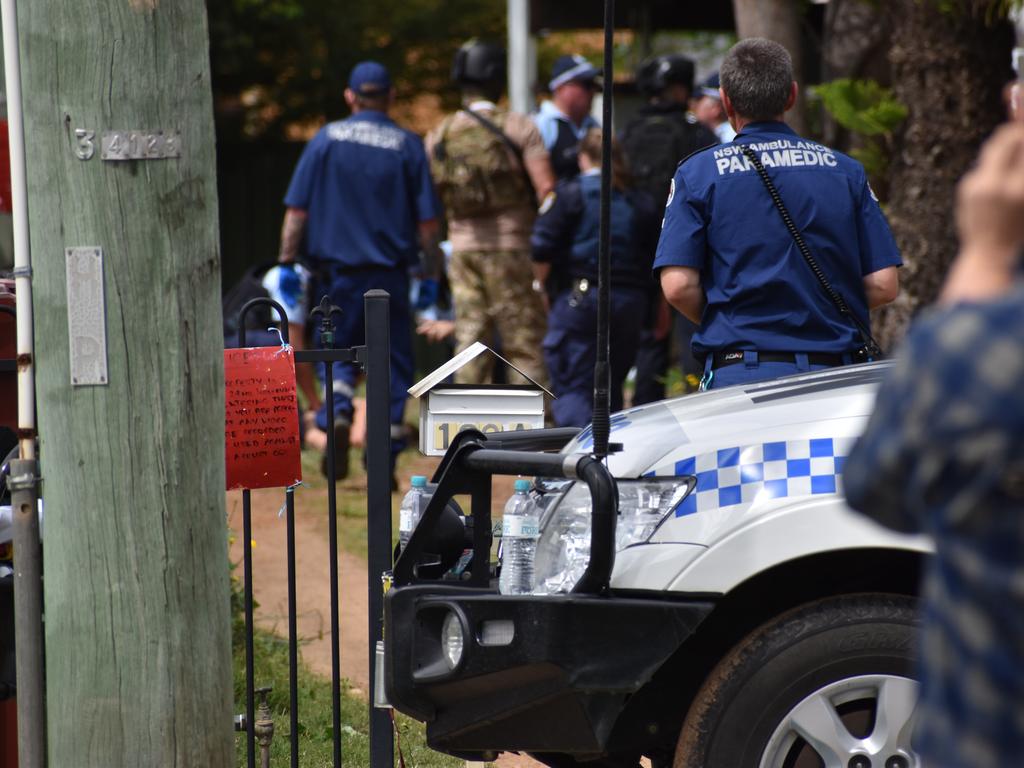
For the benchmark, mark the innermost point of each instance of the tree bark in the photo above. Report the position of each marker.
(855, 41)
(136, 574)
(777, 20)
(948, 68)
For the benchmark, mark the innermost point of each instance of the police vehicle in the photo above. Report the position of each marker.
(724, 608)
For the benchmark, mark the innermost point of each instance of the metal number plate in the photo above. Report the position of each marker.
(87, 328)
(140, 145)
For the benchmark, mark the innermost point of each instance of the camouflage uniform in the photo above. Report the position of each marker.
(491, 210)
(492, 292)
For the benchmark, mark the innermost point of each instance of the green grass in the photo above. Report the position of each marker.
(351, 495)
(314, 692)
(315, 714)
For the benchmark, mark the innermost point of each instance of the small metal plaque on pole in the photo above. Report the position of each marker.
(87, 326)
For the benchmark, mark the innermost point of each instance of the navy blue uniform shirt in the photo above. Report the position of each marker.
(761, 295)
(566, 232)
(365, 183)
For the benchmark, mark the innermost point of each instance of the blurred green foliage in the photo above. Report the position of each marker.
(868, 110)
(278, 63)
(991, 10)
(862, 106)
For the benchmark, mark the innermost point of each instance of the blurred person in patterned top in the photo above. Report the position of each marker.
(943, 454)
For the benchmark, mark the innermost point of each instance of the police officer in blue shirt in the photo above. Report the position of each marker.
(360, 198)
(565, 119)
(564, 250)
(728, 262)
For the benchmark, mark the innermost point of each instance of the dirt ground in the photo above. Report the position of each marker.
(312, 562)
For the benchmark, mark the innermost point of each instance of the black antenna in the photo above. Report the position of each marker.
(602, 371)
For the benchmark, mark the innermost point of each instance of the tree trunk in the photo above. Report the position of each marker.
(136, 574)
(777, 20)
(948, 69)
(855, 40)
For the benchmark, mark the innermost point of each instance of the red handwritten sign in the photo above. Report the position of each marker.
(261, 426)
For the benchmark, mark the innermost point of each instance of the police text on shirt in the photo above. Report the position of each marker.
(367, 134)
(778, 153)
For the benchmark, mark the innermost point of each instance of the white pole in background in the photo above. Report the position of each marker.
(522, 57)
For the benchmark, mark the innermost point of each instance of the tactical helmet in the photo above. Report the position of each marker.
(656, 74)
(479, 63)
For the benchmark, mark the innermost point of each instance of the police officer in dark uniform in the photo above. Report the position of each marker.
(362, 200)
(565, 249)
(565, 119)
(661, 134)
(726, 259)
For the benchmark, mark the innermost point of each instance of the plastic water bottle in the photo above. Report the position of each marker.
(412, 509)
(519, 533)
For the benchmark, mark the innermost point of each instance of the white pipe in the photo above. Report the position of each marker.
(22, 255)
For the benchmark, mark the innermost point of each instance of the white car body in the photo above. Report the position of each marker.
(768, 458)
(757, 621)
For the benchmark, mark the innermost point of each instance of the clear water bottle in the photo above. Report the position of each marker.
(413, 504)
(519, 533)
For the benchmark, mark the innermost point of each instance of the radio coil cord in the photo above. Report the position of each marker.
(870, 349)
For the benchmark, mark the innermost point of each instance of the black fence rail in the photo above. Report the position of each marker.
(374, 358)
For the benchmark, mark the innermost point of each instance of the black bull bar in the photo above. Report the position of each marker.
(564, 666)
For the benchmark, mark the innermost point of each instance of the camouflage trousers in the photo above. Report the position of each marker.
(493, 296)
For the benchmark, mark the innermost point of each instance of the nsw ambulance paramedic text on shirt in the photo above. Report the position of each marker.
(726, 259)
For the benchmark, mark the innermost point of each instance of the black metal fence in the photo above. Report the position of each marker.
(374, 358)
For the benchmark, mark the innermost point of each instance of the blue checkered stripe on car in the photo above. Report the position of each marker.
(743, 475)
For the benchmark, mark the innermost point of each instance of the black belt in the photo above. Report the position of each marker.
(726, 357)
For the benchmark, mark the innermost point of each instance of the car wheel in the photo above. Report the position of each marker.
(827, 684)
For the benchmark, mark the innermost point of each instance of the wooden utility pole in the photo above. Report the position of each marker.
(130, 399)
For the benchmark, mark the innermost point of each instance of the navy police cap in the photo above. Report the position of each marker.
(710, 86)
(569, 68)
(369, 77)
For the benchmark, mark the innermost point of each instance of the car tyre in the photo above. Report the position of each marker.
(830, 682)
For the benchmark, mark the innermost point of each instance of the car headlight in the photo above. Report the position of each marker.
(563, 549)
(452, 640)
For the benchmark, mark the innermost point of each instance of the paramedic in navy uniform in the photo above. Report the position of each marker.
(362, 195)
(726, 260)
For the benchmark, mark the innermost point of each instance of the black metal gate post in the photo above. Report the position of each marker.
(293, 632)
(326, 310)
(250, 670)
(376, 359)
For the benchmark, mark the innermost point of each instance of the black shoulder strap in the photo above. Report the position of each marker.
(870, 350)
(516, 149)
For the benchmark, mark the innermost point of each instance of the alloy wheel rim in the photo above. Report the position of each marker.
(817, 724)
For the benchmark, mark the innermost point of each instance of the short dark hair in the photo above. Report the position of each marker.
(757, 76)
(377, 102)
